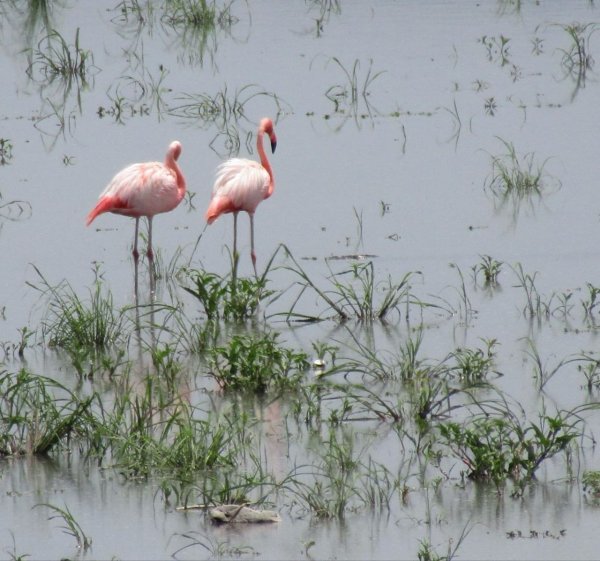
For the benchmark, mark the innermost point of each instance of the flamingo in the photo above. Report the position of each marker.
(144, 189)
(242, 184)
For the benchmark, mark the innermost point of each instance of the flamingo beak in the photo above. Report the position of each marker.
(273, 143)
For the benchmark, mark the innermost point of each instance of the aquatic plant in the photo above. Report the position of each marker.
(592, 300)
(326, 8)
(38, 414)
(54, 57)
(490, 268)
(577, 58)
(590, 368)
(541, 371)
(346, 96)
(497, 48)
(5, 151)
(217, 549)
(591, 482)
(536, 306)
(223, 298)
(516, 177)
(426, 552)
(352, 294)
(199, 14)
(473, 364)
(74, 324)
(256, 365)
(497, 448)
(71, 526)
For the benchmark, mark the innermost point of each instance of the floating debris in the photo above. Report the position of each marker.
(227, 514)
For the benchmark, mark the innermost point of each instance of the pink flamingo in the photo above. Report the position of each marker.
(241, 185)
(144, 190)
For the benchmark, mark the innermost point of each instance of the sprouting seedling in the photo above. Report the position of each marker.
(517, 179)
(54, 58)
(577, 58)
(497, 48)
(326, 8)
(456, 122)
(5, 151)
(592, 300)
(346, 97)
(490, 268)
(71, 526)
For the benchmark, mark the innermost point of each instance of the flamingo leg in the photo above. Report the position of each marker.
(150, 255)
(236, 255)
(136, 254)
(252, 252)
(149, 251)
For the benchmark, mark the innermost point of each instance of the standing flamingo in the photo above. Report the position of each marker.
(144, 190)
(241, 185)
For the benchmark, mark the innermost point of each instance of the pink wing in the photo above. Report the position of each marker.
(139, 190)
(240, 185)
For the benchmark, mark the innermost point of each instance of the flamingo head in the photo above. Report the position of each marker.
(174, 150)
(266, 126)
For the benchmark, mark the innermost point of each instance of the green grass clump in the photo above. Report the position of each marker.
(74, 324)
(71, 526)
(38, 415)
(55, 58)
(257, 364)
(354, 294)
(223, 298)
(516, 178)
(591, 482)
(500, 448)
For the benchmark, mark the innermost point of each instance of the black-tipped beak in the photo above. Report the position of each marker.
(273, 144)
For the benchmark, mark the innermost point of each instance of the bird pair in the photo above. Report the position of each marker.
(150, 188)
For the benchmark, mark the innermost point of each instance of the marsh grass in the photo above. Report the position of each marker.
(497, 448)
(515, 179)
(536, 305)
(351, 98)
(542, 372)
(490, 268)
(497, 48)
(257, 364)
(75, 324)
(591, 301)
(591, 482)
(474, 364)
(225, 297)
(150, 430)
(326, 9)
(199, 14)
(577, 58)
(55, 58)
(38, 415)
(5, 151)
(354, 294)
(71, 526)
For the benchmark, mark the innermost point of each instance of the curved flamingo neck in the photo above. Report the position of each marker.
(171, 163)
(264, 161)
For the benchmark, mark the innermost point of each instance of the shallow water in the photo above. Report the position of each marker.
(400, 173)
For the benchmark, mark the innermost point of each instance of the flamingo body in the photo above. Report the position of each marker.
(241, 185)
(144, 189)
